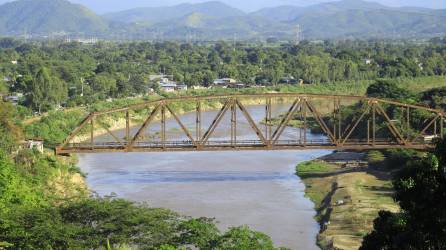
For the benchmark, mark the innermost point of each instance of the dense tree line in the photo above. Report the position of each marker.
(55, 73)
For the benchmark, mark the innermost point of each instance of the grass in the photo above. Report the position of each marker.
(363, 191)
(310, 168)
(423, 83)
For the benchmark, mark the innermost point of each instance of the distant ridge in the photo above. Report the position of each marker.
(360, 19)
(161, 14)
(48, 16)
(215, 20)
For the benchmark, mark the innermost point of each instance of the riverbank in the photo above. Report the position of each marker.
(347, 198)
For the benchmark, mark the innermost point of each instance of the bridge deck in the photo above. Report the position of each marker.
(226, 145)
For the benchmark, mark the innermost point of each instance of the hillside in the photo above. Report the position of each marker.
(359, 19)
(162, 14)
(48, 16)
(215, 21)
(204, 27)
(371, 23)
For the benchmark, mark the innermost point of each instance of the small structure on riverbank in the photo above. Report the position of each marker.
(36, 144)
(346, 158)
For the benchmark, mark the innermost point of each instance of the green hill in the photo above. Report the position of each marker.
(360, 19)
(203, 27)
(48, 16)
(371, 23)
(162, 14)
(215, 20)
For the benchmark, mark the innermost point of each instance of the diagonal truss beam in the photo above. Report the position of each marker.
(185, 130)
(216, 121)
(396, 133)
(111, 133)
(426, 128)
(284, 123)
(144, 126)
(73, 134)
(350, 130)
(321, 121)
(251, 122)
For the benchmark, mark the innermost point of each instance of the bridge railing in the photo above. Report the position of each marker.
(183, 144)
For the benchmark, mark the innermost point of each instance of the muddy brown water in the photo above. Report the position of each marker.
(254, 188)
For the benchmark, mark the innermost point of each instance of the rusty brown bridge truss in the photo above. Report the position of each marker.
(374, 124)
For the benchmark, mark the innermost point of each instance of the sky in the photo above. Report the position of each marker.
(104, 6)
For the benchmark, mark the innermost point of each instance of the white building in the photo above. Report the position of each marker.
(224, 81)
(170, 86)
(34, 144)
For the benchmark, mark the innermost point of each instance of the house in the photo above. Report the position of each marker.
(34, 144)
(168, 86)
(224, 81)
(15, 62)
(368, 61)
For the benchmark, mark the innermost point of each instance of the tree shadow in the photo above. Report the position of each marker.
(326, 205)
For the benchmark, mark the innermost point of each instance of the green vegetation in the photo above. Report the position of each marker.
(44, 204)
(71, 74)
(431, 94)
(419, 190)
(308, 168)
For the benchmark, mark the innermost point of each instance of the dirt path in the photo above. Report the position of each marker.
(347, 200)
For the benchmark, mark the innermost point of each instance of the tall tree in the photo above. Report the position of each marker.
(46, 91)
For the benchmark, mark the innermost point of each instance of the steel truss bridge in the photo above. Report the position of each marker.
(348, 122)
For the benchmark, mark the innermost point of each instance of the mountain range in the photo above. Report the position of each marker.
(48, 16)
(215, 20)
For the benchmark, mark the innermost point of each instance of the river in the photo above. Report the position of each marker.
(254, 188)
